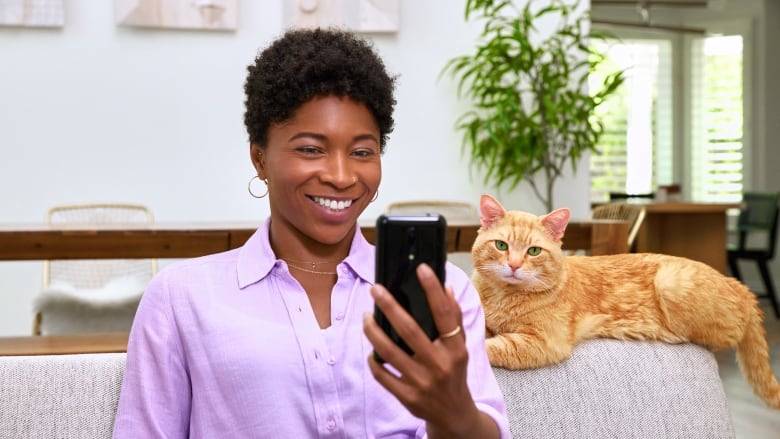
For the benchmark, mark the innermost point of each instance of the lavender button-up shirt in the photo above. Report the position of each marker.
(227, 345)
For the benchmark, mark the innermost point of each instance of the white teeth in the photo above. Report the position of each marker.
(333, 204)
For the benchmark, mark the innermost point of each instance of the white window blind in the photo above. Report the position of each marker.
(716, 119)
(635, 152)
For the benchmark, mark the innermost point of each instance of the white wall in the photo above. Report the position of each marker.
(97, 112)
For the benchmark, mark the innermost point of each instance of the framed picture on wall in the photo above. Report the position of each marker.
(218, 15)
(32, 13)
(366, 16)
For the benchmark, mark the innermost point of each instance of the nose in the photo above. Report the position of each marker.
(339, 173)
(514, 264)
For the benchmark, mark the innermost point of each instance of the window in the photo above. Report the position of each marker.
(635, 151)
(716, 119)
(638, 151)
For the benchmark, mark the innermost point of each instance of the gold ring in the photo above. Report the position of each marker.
(452, 333)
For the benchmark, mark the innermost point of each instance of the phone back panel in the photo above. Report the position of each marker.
(404, 242)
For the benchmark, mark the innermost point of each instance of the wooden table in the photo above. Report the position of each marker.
(693, 230)
(173, 240)
(64, 344)
(38, 242)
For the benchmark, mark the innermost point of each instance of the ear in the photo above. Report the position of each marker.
(490, 211)
(257, 155)
(556, 221)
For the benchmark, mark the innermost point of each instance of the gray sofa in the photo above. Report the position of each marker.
(608, 389)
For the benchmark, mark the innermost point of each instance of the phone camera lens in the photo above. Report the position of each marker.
(411, 242)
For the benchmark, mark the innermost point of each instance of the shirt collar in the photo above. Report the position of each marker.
(256, 258)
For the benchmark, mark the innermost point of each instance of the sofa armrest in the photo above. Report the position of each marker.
(620, 389)
(67, 396)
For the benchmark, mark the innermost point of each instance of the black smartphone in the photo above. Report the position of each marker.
(402, 243)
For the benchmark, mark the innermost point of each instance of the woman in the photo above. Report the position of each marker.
(275, 339)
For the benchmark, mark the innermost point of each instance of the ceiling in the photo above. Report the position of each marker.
(656, 15)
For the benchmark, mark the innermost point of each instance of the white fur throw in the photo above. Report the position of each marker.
(65, 309)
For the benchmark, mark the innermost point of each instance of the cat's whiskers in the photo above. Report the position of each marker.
(538, 285)
(542, 284)
(489, 268)
(531, 281)
(522, 273)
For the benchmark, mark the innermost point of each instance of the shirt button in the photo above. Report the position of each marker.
(339, 316)
(345, 270)
(332, 361)
(331, 424)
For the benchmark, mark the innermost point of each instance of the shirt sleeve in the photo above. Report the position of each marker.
(155, 400)
(482, 382)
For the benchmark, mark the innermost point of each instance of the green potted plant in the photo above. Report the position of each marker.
(532, 109)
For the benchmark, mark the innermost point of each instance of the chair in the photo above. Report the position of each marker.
(634, 214)
(622, 196)
(757, 222)
(451, 210)
(92, 295)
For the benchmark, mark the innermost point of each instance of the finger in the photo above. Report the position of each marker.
(458, 331)
(403, 323)
(401, 381)
(444, 308)
(393, 383)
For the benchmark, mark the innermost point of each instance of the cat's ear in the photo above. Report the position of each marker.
(490, 211)
(556, 221)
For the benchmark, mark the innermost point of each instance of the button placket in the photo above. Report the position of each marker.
(340, 296)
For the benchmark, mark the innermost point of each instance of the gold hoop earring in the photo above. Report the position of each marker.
(249, 187)
(376, 195)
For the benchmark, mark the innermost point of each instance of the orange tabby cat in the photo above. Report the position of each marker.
(539, 303)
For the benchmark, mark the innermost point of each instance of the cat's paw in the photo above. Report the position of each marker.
(512, 351)
(495, 352)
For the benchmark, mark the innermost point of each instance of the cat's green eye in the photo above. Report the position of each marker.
(501, 245)
(534, 251)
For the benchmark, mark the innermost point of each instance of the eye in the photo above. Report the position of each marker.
(308, 149)
(501, 245)
(363, 153)
(534, 251)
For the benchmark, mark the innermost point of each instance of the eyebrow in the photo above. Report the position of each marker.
(322, 137)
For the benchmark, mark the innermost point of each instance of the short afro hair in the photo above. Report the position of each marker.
(308, 63)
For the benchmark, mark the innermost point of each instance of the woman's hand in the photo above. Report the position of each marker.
(432, 384)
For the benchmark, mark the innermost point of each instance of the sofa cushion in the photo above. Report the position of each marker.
(60, 396)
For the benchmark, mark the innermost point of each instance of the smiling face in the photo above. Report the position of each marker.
(323, 168)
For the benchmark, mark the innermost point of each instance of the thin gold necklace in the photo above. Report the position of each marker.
(292, 264)
(311, 271)
(313, 263)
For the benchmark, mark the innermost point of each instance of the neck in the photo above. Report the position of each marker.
(291, 245)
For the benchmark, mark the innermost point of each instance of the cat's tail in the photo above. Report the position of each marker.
(753, 358)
